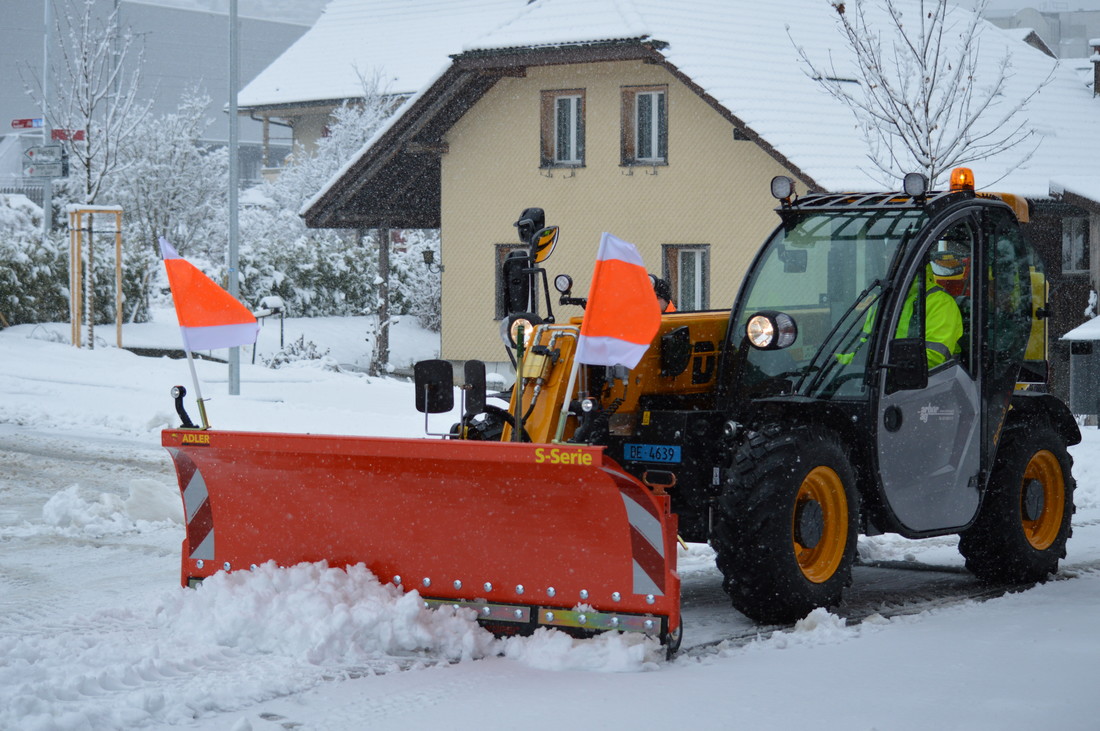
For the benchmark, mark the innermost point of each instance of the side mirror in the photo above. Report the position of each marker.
(434, 381)
(543, 243)
(516, 281)
(907, 369)
(474, 376)
(794, 260)
(675, 351)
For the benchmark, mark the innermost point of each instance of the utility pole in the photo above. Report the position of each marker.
(234, 174)
(47, 183)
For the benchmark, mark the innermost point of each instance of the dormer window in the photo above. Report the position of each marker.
(645, 125)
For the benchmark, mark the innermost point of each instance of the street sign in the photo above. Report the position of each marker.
(45, 153)
(59, 169)
(67, 134)
(27, 123)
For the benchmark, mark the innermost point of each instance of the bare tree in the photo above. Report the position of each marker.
(923, 100)
(95, 96)
(96, 102)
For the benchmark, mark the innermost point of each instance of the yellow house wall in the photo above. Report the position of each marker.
(714, 190)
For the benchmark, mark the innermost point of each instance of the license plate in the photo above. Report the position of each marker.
(665, 453)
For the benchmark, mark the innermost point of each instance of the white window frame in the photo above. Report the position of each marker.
(657, 102)
(1075, 245)
(636, 100)
(687, 268)
(572, 155)
(553, 153)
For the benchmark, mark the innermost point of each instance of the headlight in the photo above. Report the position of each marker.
(771, 330)
(563, 283)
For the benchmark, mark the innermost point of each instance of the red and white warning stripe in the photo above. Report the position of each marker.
(196, 507)
(647, 541)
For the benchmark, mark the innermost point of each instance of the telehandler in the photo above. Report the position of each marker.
(827, 403)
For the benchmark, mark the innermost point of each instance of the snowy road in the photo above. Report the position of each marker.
(95, 632)
(89, 602)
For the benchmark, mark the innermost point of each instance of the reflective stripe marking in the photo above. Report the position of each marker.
(643, 582)
(194, 495)
(644, 523)
(196, 506)
(206, 548)
(647, 542)
(938, 347)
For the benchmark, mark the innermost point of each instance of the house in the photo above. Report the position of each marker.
(397, 44)
(663, 124)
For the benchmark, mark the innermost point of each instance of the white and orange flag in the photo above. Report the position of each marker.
(622, 314)
(209, 316)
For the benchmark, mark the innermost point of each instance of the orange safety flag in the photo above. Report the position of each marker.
(209, 316)
(622, 314)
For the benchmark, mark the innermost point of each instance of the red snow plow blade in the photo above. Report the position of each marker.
(528, 535)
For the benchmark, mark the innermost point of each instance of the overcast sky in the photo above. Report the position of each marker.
(306, 11)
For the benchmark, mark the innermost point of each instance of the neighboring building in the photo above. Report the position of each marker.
(182, 48)
(662, 126)
(1065, 32)
(400, 44)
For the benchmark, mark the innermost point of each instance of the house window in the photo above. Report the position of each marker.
(645, 125)
(687, 268)
(562, 128)
(1075, 244)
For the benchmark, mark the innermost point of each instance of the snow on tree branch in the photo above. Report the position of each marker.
(923, 98)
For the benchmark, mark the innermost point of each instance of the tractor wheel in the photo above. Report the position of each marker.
(1025, 518)
(787, 525)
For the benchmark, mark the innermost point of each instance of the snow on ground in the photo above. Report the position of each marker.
(95, 632)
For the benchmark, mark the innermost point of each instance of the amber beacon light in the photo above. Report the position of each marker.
(962, 179)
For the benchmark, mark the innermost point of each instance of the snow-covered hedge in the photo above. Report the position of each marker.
(33, 275)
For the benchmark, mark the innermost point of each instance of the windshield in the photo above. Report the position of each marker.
(826, 270)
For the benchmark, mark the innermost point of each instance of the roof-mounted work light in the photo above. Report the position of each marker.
(915, 185)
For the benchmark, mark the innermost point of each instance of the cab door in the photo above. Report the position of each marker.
(928, 440)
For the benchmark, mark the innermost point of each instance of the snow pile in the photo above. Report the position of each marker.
(322, 615)
(610, 652)
(73, 512)
(819, 627)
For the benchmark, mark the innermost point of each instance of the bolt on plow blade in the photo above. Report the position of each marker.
(527, 535)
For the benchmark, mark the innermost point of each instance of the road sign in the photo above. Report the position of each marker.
(27, 123)
(67, 134)
(45, 153)
(59, 169)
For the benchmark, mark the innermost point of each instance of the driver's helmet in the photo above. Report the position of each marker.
(950, 260)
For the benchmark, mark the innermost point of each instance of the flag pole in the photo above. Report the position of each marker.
(566, 400)
(198, 389)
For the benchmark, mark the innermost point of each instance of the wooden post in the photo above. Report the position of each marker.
(78, 282)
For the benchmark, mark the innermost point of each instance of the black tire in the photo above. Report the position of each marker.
(1026, 514)
(787, 524)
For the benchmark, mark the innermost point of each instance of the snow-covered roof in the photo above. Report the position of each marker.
(1088, 331)
(745, 56)
(405, 41)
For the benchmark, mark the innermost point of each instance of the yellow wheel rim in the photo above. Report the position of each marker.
(821, 560)
(1043, 530)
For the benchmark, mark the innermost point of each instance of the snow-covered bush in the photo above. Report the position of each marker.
(321, 272)
(294, 351)
(34, 274)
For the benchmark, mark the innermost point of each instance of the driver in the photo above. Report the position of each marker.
(943, 321)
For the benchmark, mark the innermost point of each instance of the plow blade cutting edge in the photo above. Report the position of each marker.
(527, 535)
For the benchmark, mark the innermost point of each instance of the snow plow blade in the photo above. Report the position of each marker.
(527, 535)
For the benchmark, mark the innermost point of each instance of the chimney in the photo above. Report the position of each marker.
(1095, 58)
